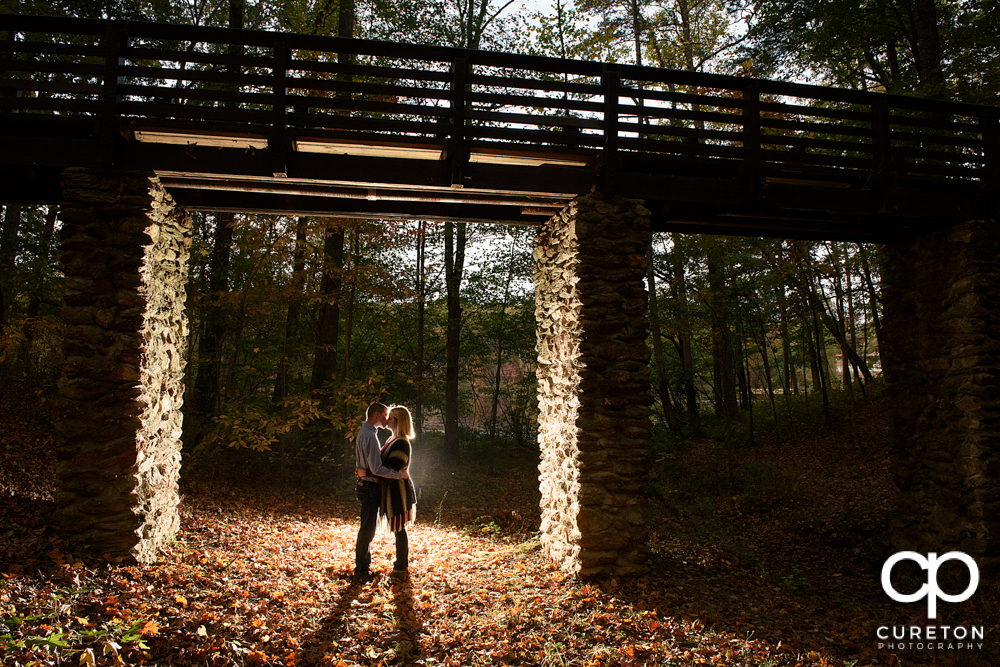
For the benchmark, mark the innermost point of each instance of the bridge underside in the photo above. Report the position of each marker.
(218, 171)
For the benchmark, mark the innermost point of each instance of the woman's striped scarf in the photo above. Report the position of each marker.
(398, 505)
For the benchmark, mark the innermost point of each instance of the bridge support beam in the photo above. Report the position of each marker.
(942, 359)
(593, 385)
(124, 251)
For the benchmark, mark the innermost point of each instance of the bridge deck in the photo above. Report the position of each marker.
(284, 123)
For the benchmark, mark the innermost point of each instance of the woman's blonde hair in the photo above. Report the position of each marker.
(403, 422)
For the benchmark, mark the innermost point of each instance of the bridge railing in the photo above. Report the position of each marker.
(255, 89)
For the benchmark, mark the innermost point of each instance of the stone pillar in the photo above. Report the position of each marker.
(125, 248)
(941, 356)
(593, 385)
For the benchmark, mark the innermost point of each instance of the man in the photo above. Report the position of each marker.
(368, 457)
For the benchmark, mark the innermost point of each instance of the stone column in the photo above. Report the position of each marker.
(593, 385)
(941, 356)
(125, 248)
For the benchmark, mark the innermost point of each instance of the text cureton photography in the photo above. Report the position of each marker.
(929, 635)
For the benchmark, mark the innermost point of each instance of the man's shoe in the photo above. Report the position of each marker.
(399, 575)
(362, 577)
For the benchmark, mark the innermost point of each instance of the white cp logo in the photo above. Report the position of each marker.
(930, 590)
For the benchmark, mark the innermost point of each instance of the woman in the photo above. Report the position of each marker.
(398, 504)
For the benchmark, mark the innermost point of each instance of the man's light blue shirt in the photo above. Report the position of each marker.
(368, 454)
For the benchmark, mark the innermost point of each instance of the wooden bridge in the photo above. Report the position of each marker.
(252, 121)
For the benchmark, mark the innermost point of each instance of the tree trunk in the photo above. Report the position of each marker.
(454, 261)
(8, 252)
(821, 364)
(206, 388)
(328, 331)
(661, 368)
(929, 49)
(724, 372)
(421, 290)
(281, 381)
(495, 402)
(873, 298)
(352, 302)
(684, 334)
(38, 281)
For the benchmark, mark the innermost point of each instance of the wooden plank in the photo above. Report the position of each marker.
(932, 124)
(55, 48)
(937, 170)
(822, 144)
(989, 123)
(50, 104)
(278, 139)
(400, 73)
(881, 137)
(534, 136)
(929, 106)
(200, 57)
(534, 101)
(820, 128)
(382, 149)
(204, 138)
(681, 114)
(197, 126)
(196, 76)
(684, 98)
(535, 84)
(680, 148)
(247, 202)
(532, 158)
(363, 88)
(536, 119)
(55, 24)
(763, 227)
(207, 94)
(816, 112)
(51, 67)
(685, 132)
(796, 157)
(344, 127)
(191, 111)
(926, 154)
(282, 187)
(64, 87)
(968, 142)
(115, 39)
(753, 155)
(518, 61)
(368, 106)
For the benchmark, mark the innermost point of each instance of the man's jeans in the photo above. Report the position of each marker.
(368, 494)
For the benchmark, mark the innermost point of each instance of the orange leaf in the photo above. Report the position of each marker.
(151, 628)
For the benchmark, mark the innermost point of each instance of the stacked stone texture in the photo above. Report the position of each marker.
(942, 360)
(125, 247)
(593, 385)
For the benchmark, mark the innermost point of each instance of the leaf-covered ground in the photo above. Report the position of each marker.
(760, 557)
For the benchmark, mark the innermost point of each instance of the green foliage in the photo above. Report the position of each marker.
(875, 45)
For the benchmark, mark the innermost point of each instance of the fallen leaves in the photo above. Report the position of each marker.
(260, 578)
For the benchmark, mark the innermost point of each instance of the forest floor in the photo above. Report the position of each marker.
(761, 556)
